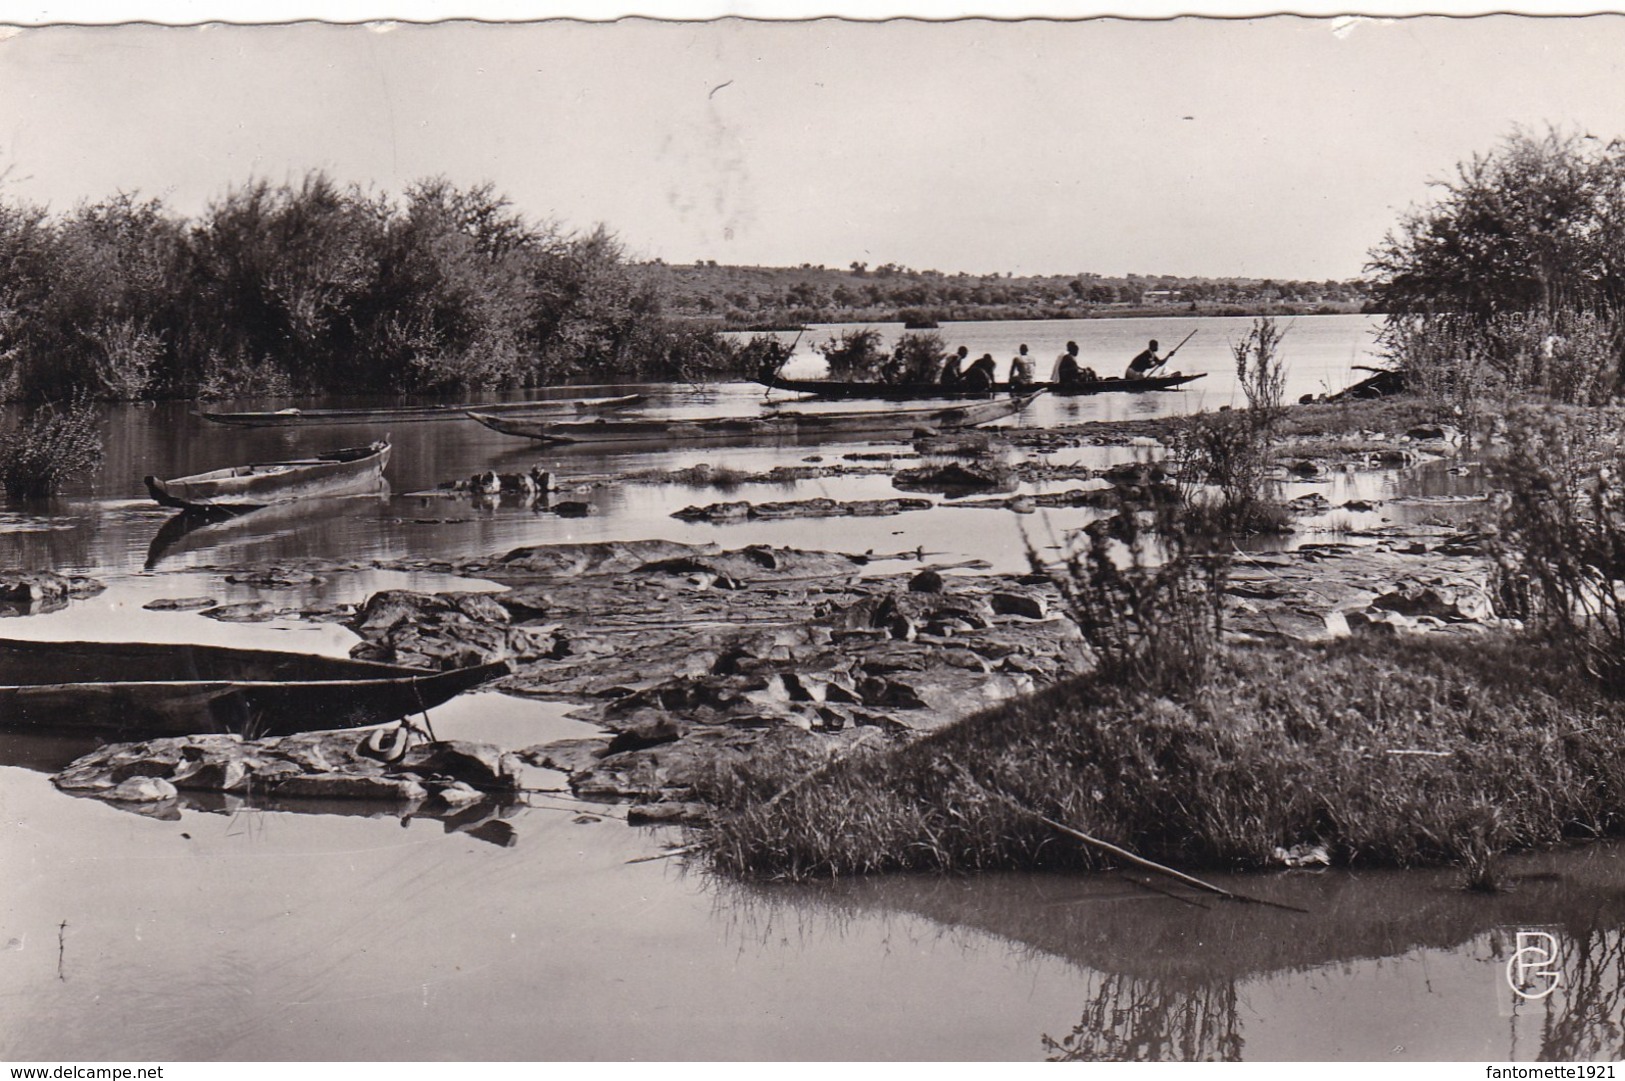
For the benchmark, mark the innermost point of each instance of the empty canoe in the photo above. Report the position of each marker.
(781, 424)
(147, 690)
(391, 414)
(350, 471)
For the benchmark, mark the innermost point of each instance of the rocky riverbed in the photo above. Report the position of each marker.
(688, 655)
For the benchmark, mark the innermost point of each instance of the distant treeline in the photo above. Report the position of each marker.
(744, 297)
(316, 287)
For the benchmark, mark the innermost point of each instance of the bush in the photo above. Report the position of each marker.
(1261, 372)
(1146, 589)
(1458, 363)
(916, 358)
(236, 376)
(38, 456)
(127, 358)
(764, 355)
(1561, 547)
(853, 354)
(1231, 452)
(1227, 459)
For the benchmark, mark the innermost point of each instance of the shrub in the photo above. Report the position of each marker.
(853, 354)
(1146, 589)
(764, 355)
(1231, 452)
(1261, 372)
(236, 376)
(54, 445)
(127, 357)
(1458, 363)
(1561, 548)
(916, 358)
(1227, 459)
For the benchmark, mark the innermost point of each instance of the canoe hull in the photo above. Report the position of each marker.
(834, 388)
(147, 690)
(414, 413)
(784, 424)
(352, 471)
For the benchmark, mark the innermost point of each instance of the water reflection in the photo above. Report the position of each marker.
(1130, 1019)
(1587, 1022)
(199, 529)
(1166, 980)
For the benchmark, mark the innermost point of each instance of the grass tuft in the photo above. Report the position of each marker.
(1426, 751)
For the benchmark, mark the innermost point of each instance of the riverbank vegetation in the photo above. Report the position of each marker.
(1381, 751)
(316, 287)
(1513, 281)
(748, 297)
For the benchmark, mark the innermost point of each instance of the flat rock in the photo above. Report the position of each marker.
(311, 765)
(32, 592)
(142, 790)
(350, 786)
(801, 508)
(180, 604)
(443, 631)
(275, 578)
(955, 477)
(605, 557)
(477, 765)
(245, 612)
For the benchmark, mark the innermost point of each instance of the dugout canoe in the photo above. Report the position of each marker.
(847, 389)
(145, 690)
(282, 418)
(350, 471)
(776, 425)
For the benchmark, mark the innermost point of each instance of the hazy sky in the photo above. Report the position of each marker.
(1280, 147)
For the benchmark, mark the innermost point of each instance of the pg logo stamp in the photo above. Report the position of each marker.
(1532, 971)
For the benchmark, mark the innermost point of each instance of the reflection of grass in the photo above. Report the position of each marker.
(1282, 745)
(1132, 1020)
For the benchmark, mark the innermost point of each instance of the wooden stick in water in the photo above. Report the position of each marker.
(1123, 853)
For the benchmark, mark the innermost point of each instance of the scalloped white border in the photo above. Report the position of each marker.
(182, 12)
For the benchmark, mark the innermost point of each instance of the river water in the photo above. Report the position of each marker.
(347, 932)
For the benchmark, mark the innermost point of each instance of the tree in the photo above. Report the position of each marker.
(1514, 278)
(1533, 226)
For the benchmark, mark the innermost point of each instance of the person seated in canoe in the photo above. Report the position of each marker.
(1068, 372)
(951, 374)
(980, 377)
(1022, 370)
(1145, 363)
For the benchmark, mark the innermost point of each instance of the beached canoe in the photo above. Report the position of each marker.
(1382, 383)
(780, 424)
(350, 471)
(838, 388)
(147, 689)
(282, 418)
